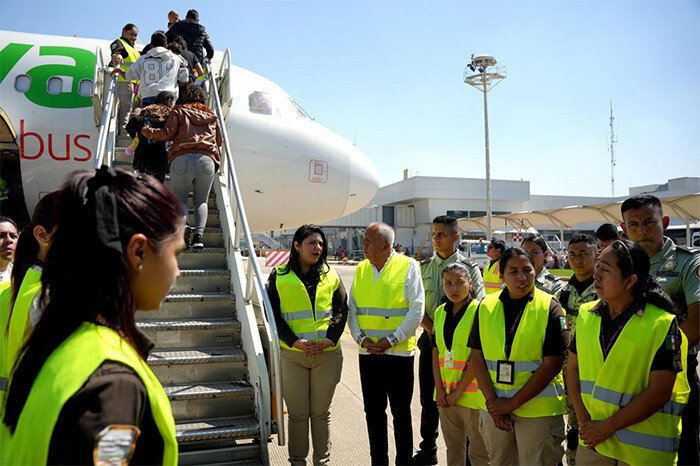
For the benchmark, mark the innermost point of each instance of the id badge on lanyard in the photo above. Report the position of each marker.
(449, 359)
(505, 369)
(505, 372)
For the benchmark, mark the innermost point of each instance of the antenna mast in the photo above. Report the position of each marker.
(612, 151)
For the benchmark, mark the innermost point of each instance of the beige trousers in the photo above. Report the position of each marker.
(534, 441)
(125, 94)
(458, 423)
(308, 385)
(592, 457)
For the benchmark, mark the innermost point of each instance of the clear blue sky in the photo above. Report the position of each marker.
(393, 70)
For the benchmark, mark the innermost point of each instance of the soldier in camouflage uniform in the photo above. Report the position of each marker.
(677, 270)
(580, 289)
(544, 280)
(445, 239)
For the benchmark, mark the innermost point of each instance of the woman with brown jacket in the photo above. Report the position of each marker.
(195, 136)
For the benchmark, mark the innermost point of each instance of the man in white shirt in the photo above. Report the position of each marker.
(157, 71)
(385, 309)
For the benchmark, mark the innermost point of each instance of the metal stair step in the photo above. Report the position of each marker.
(195, 356)
(239, 427)
(196, 305)
(202, 280)
(192, 333)
(198, 365)
(221, 452)
(207, 257)
(210, 399)
(239, 388)
(210, 305)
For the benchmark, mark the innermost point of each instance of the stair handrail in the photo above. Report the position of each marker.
(242, 224)
(108, 117)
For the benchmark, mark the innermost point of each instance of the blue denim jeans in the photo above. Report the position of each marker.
(195, 173)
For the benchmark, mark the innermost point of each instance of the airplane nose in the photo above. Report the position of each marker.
(364, 181)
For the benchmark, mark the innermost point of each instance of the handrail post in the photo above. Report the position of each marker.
(107, 117)
(266, 306)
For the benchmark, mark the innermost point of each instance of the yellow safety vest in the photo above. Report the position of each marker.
(62, 375)
(5, 296)
(132, 56)
(306, 322)
(19, 320)
(381, 306)
(492, 279)
(526, 352)
(609, 385)
(472, 396)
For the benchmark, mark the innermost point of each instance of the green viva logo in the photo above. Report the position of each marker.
(38, 92)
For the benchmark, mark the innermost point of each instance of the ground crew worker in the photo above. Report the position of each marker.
(24, 309)
(82, 391)
(310, 307)
(606, 234)
(385, 309)
(518, 341)
(492, 275)
(445, 239)
(580, 289)
(625, 370)
(456, 392)
(8, 242)
(123, 55)
(544, 279)
(677, 270)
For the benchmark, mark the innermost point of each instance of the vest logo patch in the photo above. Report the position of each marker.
(115, 444)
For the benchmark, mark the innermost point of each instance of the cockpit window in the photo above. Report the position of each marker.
(300, 111)
(260, 102)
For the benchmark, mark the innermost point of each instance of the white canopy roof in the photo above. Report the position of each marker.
(685, 208)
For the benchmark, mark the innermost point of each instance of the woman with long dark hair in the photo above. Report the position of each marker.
(310, 306)
(518, 341)
(82, 391)
(626, 377)
(195, 134)
(23, 307)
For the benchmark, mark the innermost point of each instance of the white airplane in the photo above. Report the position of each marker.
(291, 169)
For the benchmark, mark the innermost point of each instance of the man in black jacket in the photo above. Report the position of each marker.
(194, 34)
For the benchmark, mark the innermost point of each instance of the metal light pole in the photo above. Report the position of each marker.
(482, 74)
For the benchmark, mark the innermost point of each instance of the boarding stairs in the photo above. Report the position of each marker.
(267, 240)
(217, 351)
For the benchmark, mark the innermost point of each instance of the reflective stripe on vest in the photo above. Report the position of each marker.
(526, 353)
(382, 306)
(65, 371)
(132, 56)
(451, 377)
(296, 308)
(609, 385)
(492, 280)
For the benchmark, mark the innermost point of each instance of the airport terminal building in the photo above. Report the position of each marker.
(411, 204)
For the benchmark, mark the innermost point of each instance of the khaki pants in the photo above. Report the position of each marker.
(458, 423)
(125, 94)
(592, 457)
(308, 386)
(537, 440)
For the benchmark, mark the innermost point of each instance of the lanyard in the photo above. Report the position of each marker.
(511, 332)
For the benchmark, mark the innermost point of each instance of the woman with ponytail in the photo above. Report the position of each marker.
(82, 392)
(625, 373)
